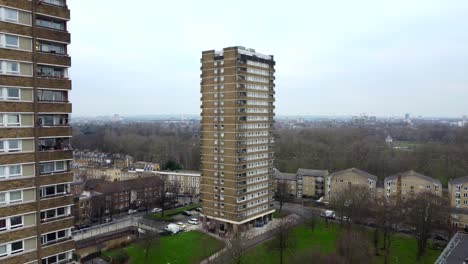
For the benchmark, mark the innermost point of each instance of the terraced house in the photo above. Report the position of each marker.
(237, 86)
(458, 196)
(409, 184)
(35, 203)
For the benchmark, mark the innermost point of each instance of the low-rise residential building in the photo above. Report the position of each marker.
(100, 159)
(110, 174)
(340, 180)
(120, 196)
(458, 196)
(187, 181)
(409, 184)
(86, 209)
(289, 179)
(310, 183)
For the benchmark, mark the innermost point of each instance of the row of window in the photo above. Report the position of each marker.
(17, 16)
(13, 42)
(14, 94)
(15, 171)
(14, 120)
(11, 248)
(11, 197)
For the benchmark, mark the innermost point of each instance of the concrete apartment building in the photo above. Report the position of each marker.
(409, 184)
(340, 180)
(35, 203)
(458, 196)
(188, 181)
(237, 189)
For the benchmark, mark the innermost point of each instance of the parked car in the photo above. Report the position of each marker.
(156, 210)
(174, 228)
(108, 220)
(329, 214)
(181, 225)
(193, 221)
(187, 213)
(132, 211)
(176, 205)
(198, 209)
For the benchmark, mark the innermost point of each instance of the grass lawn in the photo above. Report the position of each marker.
(323, 240)
(169, 213)
(187, 247)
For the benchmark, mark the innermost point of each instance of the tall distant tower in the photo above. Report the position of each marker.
(237, 86)
(35, 203)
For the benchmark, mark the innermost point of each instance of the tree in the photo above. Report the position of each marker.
(354, 247)
(427, 212)
(283, 236)
(388, 217)
(172, 165)
(281, 194)
(238, 248)
(147, 239)
(353, 203)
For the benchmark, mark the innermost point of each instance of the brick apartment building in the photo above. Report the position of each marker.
(35, 203)
(237, 182)
(458, 197)
(338, 181)
(409, 184)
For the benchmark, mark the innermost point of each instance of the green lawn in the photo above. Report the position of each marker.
(169, 213)
(187, 247)
(323, 240)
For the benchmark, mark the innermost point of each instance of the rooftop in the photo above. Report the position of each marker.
(456, 251)
(314, 173)
(459, 180)
(415, 174)
(356, 171)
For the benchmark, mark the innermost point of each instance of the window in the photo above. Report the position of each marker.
(53, 190)
(51, 167)
(10, 145)
(53, 120)
(52, 96)
(11, 41)
(3, 224)
(8, 14)
(51, 72)
(16, 222)
(16, 196)
(50, 47)
(52, 24)
(3, 250)
(54, 2)
(10, 171)
(16, 247)
(9, 67)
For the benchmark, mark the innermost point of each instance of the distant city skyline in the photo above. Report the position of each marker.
(335, 58)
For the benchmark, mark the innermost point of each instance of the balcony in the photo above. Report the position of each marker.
(54, 144)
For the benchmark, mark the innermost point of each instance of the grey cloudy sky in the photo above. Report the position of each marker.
(333, 57)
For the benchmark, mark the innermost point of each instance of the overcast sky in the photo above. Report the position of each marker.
(332, 57)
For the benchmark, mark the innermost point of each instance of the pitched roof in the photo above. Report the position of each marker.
(119, 186)
(415, 174)
(459, 180)
(313, 173)
(356, 171)
(285, 176)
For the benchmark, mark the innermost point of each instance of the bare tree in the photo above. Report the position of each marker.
(147, 239)
(388, 217)
(354, 247)
(427, 212)
(281, 194)
(353, 202)
(283, 237)
(238, 248)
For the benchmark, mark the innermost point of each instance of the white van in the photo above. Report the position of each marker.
(174, 228)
